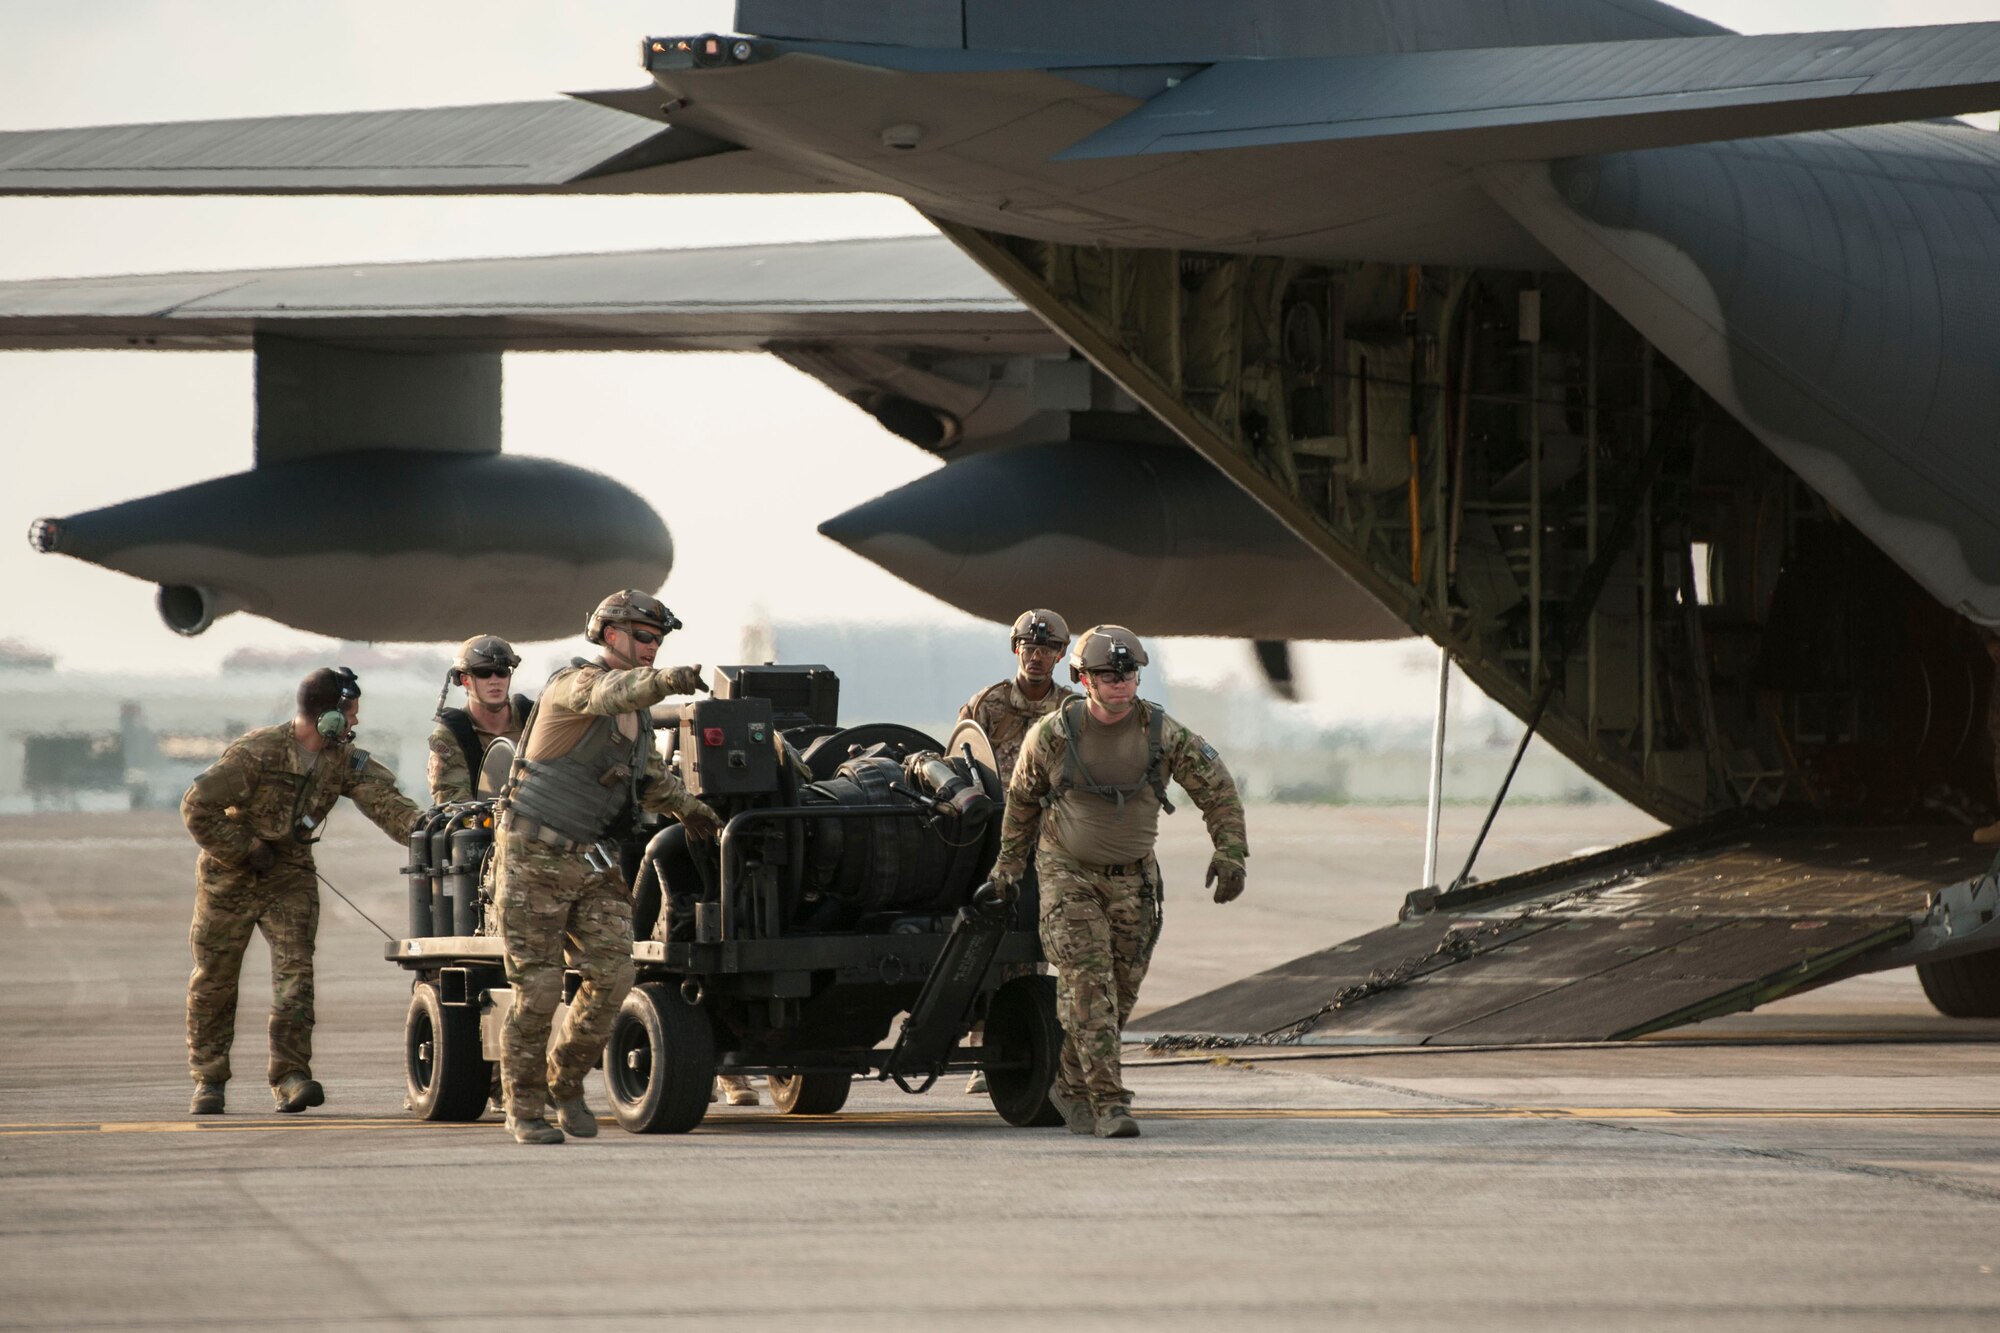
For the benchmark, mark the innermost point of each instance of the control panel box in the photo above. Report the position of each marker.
(728, 747)
(801, 696)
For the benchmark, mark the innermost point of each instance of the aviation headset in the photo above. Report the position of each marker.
(332, 724)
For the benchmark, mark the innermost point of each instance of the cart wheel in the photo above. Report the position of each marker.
(1966, 987)
(444, 1071)
(1021, 1027)
(659, 1062)
(810, 1094)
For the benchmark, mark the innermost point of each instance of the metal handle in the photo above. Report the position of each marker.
(738, 823)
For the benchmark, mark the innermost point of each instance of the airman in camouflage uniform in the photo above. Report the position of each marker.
(1085, 800)
(485, 667)
(1005, 712)
(587, 755)
(255, 814)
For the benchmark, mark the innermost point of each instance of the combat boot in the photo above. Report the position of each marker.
(207, 1099)
(737, 1089)
(533, 1129)
(295, 1092)
(1116, 1122)
(577, 1119)
(976, 1084)
(1074, 1111)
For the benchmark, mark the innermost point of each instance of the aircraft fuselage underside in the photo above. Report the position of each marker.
(1517, 474)
(1471, 446)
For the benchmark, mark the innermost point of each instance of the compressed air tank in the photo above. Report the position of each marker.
(461, 876)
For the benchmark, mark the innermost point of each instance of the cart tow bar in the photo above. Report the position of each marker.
(943, 1009)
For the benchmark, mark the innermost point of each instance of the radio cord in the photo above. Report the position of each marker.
(351, 903)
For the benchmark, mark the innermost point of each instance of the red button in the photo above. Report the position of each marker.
(711, 736)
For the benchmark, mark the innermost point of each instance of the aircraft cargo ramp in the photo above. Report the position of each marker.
(1689, 925)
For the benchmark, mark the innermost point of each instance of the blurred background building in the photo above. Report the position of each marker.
(84, 739)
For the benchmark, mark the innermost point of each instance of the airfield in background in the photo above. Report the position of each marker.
(84, 740)
(1847, 1179)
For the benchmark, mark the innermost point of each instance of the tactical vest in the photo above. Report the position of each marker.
(458, 722)
(581, 794)
(1075, 777)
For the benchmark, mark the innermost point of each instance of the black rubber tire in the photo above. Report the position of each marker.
(659, 1062)
(1021, 1023)
(810, 1094)
(1967, 987)
(444, 1071)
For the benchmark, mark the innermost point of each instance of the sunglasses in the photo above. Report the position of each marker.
(488, 673)
(646, 636)
(1112, 675)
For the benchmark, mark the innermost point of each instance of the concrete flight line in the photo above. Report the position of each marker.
(912, 1118)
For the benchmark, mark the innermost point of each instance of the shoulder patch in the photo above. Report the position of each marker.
(207, 786)
(1208, 752)
(358, 761)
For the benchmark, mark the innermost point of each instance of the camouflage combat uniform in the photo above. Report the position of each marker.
(1099, 922)
(264, 786)
(451, 771)
(1005, 713)
(551, 898)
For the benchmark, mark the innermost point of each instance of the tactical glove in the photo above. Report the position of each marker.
(1226, 874)
(261, 856)
(996, 893)
(700, 821)
(683, 679)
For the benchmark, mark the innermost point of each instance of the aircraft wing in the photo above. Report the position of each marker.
(1538, 103)
(914, 291)
(382, 379)
(593, 143)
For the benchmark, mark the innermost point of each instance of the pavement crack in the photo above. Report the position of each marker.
(1725, 1147)
(388, 1309)
(1812, 1161)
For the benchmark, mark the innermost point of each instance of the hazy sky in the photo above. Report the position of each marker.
(83, 429)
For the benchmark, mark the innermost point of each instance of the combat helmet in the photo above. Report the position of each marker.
(630, 607)
(483, 651)
(1106, 646)
(1042, 629)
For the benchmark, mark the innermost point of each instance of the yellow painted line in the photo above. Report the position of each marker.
(149, 1127)
(773, 1121)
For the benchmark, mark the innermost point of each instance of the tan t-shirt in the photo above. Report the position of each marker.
(1097, 830)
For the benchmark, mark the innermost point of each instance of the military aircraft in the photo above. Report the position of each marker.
(1646, 367)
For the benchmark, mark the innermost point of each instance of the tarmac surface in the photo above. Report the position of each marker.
(1830, 1162)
